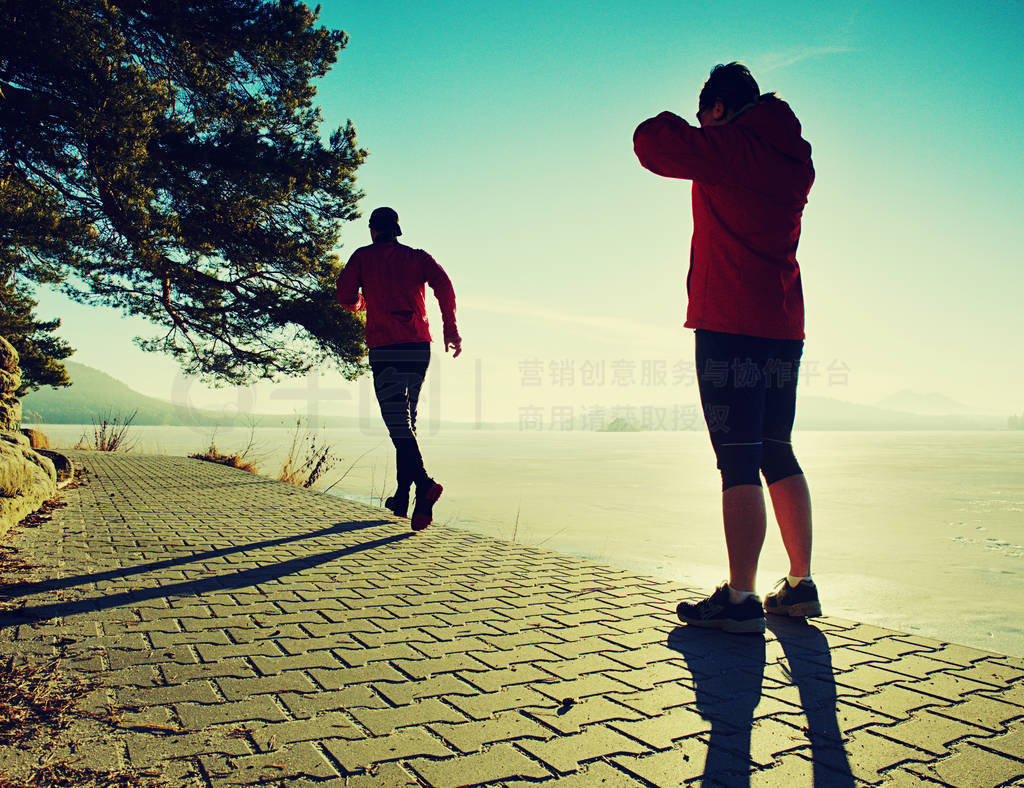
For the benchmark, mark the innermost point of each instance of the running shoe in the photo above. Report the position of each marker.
(426, 497)
(717, 612)
(800, 601)
(398, 504)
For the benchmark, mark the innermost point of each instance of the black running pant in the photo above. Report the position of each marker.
(398, 372)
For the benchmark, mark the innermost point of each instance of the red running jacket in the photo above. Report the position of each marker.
(750, 179)
(391, 276)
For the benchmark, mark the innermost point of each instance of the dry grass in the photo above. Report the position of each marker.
(308, 459)
(240, 460)
(36, 699)
(109, 433)
(66, 774)
(234, 460)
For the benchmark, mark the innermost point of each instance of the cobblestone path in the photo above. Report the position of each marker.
(244, 631)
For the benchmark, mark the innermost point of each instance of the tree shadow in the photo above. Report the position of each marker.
(218, 583)
(15, 590)
(728, 671)
(810, 667)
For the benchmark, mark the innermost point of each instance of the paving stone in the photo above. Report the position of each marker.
(797, 770)
(971, 766)
(680, 765)
(290, 681)
(1013, 694)
(195, 716)
(583, 687)
(870, 756)
(959, 655)
(948, 685)
(652, 675)
(566, 753)
(867, 678)
(982, 711)
(653, 702)
(574, 717)
(383, 721)
(446, 685)
(191, 691)
(146, 750)
(659, 733)
(992, 672)
(226, 668)
(308, 704)
(927, 731)
(1010, 743)
(391, 775)
(499, 763)
(401, 745)
(482, 706)
(330, 725)
(215, 652)
(898, 701)
(284, 765)
(583, 646)
(346, 677)
(272, 666)
(473, 736)
(596, 773)
(495, 680)
(568, 669)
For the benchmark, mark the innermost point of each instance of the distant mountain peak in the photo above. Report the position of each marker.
(931, 404)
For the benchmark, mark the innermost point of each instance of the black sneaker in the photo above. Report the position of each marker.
(800, 602)
(398, 504)
(426, 496)
(717, 612)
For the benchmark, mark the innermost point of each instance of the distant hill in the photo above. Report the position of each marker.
(931, 404)
(821, 413)
(94, 394)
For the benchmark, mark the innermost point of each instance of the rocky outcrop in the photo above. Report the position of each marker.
(36, 439)
(27, 479)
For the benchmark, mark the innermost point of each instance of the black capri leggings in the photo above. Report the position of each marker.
(748, 392)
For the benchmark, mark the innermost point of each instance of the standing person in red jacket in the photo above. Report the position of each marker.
(751, 173)
(391, 276)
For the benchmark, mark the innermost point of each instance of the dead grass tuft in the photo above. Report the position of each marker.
(233, 460)
(110, 433)
(36, 699)
(66, 774)
(309, 458)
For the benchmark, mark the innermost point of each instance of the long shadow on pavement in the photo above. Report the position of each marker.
(225, 582)
(727, 672)
(15, 590)
(810, 667)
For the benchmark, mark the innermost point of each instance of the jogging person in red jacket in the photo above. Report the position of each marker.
(751, 173)
(391, 277)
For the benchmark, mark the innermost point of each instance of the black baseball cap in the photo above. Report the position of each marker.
(385, 220)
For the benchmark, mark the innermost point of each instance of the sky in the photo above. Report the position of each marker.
(501, 132)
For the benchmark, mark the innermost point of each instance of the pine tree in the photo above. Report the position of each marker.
(165, 157)
(40, 351)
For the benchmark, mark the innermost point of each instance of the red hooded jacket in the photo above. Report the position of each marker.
(392, 276)
(750, 179)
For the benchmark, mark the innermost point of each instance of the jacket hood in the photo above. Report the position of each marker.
(774, 122)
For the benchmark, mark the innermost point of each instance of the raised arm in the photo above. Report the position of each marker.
(669, 146)
(445, 295)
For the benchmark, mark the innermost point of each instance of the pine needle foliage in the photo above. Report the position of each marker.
(165, 157)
